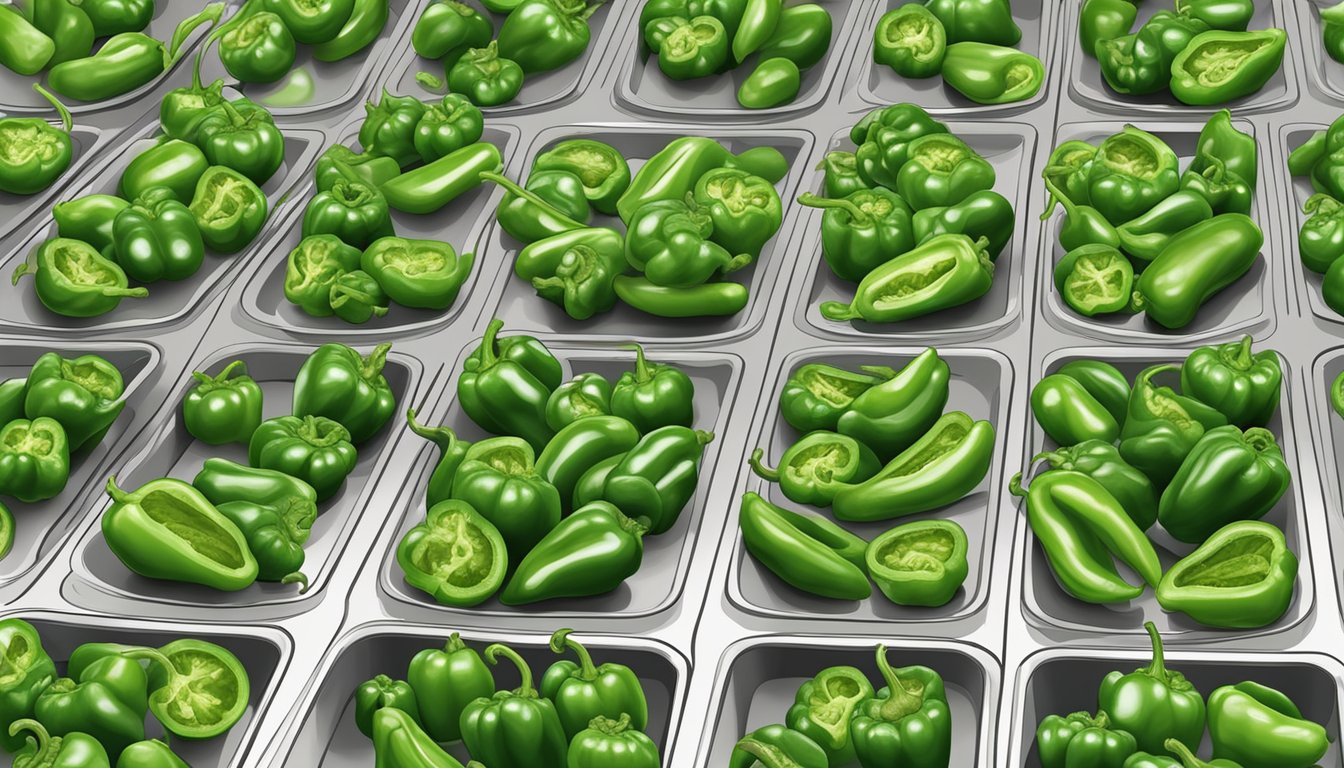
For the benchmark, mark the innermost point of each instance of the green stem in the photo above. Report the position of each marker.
(1157, 667)
(67, 122)
(1015, 485)
(900, 702)
(489, 350)
(40, 737)
(856, 214)
(766, 473)
(524, 689)
(561, 640)
(297, 577)
(373, 364)
(444, 437)
(642, 373)
(518, 191)
(118, 495)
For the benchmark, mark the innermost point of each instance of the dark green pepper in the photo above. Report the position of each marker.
(445, 127)
(544, 35)
(894, 414)
(669, 241)
(242, 137)
(1244, 386)
(992, 74)
(1194, 266)
(486, 77)
(1144, 237)
(907, 722)
(943, 272)
(389, 127)
(257, 49)
(823, 707)
(446, 680)
(575, 270)
(1081, 739)
(526, 216)
(499, 390)
(156, 238)
(1320, 240)
(805, 550)
(345, 386)
(313, 449)
(224, 482)
(1225, 192)
(74, 280)
(353, 211)
(984, 214)
(1161, 427)
(981, 21)
(498, 477)
(89, 218)
(591, 552)
(863, 231)
(581, 445)
(371, 169)
(275, 535)
(73, 750)
(584, 691)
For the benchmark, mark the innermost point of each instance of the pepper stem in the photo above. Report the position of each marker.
(155, 656)
(762, 471)
(298, 577)
(235, 118)
(838, 311)
(211, 14)
(704, 438)
(524, 689)
(224, 375)
(765, 754)
(642, 373)
(1259, 439)
(900, 702)
(444, 437)
(118, 495)
(373, 364)
(517, 190)
(454, 643)
(1157, 667)
(857, 214)
(609, 727)
(1015, 485)
(561, 640)
(1239, 354)
(67, 122)
(1178, 748)
(489, 350)
(39, 737)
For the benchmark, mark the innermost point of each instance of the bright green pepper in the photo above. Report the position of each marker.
(224, 482)
(1132, 171)
(981, 21)
(1332, 286)
(943, 272)
(1095, 279)
(563, 191)
(822, 709)
(816, 395)
(691, 48)
(447, 28)
(74, 280)
(527, 216)
(907, 722)
(1241, 577)
(1162, 426)
(805, 550)
(1154, 704)
(894, 414)
(942, 467)
(1144, 237)
(73, 750)
(365, 24)
(24, 49)
(313, 267)
(258, 49)
(579, 446)
(526, 351)
(389, 127)
(517, 728)
(34, 459)
(1230, 15)
(585, 395)
(1104, 20)
(230, 209)
(370, 169)
(198, 690)
(455, 556)
(1222, 140)
(669, 241)
(816, 467)
(544, 35)
(992, 74)
(446, 680)
(182, 108)
(1225, 191)
(654, 395)
(174, 164)
(1227, 476)
(841, 174)
(773, 83)
(486, 77)
(244, 137)
(657, 478)
(353, 211)
(745, 209)
(591, 552)
(447, 126)
(863, 231)
(940, 171)
(803, 36)
(1260, 727)
(379, 693)
(313, 22)
(1102, 462)
(498, 477)
(1320, 240)
(1141, 63)
(910, 40)
(422, 274)
(984, 214)
(776, 745)
(1217, 66)
(502, 394)
(156, 238)
(1065, 174)
(673, 171)
(575, 270)
(1196, 265)
(434, 185)
(709, 300)
(84, 394)
(313, 449)
(89, 218)
(275, 536)
(602, 169)
(35, 152)
(451, 453)
(1069, 413)
(93, 710)
(29, 672)
(110, 17)
(400, 742)
(339, 383)
(921, 563)
(608, 742)
(1185, 759)
(584, 691)
(1081, 739)
(760, 18)
(1244, 386)
(150, 753)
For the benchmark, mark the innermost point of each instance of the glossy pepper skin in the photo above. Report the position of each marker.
(600, 167)
(156, 238)
(543, 35)
(150, 753)
(1226, 192)
(894, 414)
(1069, 413)
(585, 395)
(1154, 704)
(74, 280)
(26, 50)
(92, 709)
(445, 127)
(1104, 20)
(591, 552)
(674, 170)
(183, 108)
(579, 446)
(366, 23)
(379, 693)
(1222, 140)
(1140, 63)
(523, 350)
(1144, 237)
(451, 453)
(777, 745)
(716, 299)
(313, 267)
(1320, 240)
(455, 556)
(88, 218)
(258, 49)
(910, 40)
(983, 214)
(907, 722)
(942, 170)
(389, 127)
(863, 231)
(1082, 739)
(670, 242)
(575, 270)
(422, 274)
(434, 185)
(73, 750)
(803, 36)
(1162, 427)
(607, 742)
(225, 408)
(517, 728)
(584, 691)
(921, 563)
(841, 178)
(992, 74)
(486, 76)
(275, 535)
(654, 395)
(1229, 475)
(243, 137)
(816, 395)
(1200, 76)
(1185, 758)
(400, 742)
(32, 673)
(1095, 279)
(655, 481)
(230, 209)
(947, 270)
(358, 298)
(447, 28)
(816, 467)
(1132, 171)
(1243, 385)
(1195, 266)
(823, 706)
(1101, 461)
(1080, 528)
(36, 152)
(34, 459)
(528, 216)
(805, 550)
(136, 531)
(353, 211)
(773, 83)
(944, 465)
(174, 164)
(374, 170)
(498, 478)
(1260, 727)
(446, 680)
(313, 21)
(313, 449)
(502, 393)
(981, 21)
(82, 393)
(745, 209)
(222, 481)
(758, 23)
(340, 384)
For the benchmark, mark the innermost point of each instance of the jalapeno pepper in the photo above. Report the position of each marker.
(992, 74)
(1241, 577)
(1069, 413)
(805, 550)
(708, 300)
(941, 273)
(1195, 266)
(35, 153)
(74, 280)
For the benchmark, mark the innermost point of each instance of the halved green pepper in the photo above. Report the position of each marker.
(823, 706)
(74, 280)
(1132, 171)
(230, 209)
(910, 40)
(1241, 577)
(1095, 279)
(942, 170)
(84, 394)
(745, 209)
(816, 467)
(313, 267)
(422, 274)
(34, 459)
(816, 395)
(35, 152)
(455, 556)
(691, 48)
(921, 563)
(1218, 66)
(602, 169)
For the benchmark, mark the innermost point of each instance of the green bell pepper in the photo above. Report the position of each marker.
(514, 728)
(526, 351)
(805, 550)
(340, 384)
(862, 231)
(183, 108)
(1081, 739)
(602, 169)
(446, 680)
(366, 23)
(379, 693)
(745, 209)
(34, 459)
(776, 745)
(981, 21)
(498, 477)
(313, 449)
(817, 466)
(223, 482)
(1217, 66)
(1225, 191)
(544, 35)
(772, 83)
(1320, 240)
(225, 408)
(313, 22)
(942, 170)
(613, 743)
(910, 40)
(921, 563)
(585, 395)
(1161, 427)
(1154, 704)
(984, 214)
(942, 272)
(894, 414)
(89, 218)
(1332, 287)
(244, 137)
(671, 174)
(451, 124)
(83, 394)
(1244, 386)
(92, 710)
(1132, 171)
(257, 49)
(174, 164)
(502, 394)
(1227, 476)
(1101, 461)
(486, 77)
(823, 707)
(654, 395)
(1095, 279)
(1196, 265)
(313, 267)
(1141, 63)
(421, 274)
(591, 552)
(357, 298)
(1260, 727)
(455, 555)
(36, 153)
(447, 28)
(230, 209)
(575, 270)
(275, 536)
(669, 241)
(74, 280)
(992, 74)
(156, 238)
(73, 750)
(908, 721)
(816, 395)
(355, 212)
(841, 177)
(584, 691)
(528, 217)
(389, 127)
(1104, 20)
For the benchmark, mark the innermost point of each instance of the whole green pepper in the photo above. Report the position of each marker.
(1102, 462)
(669, 241)
(1225, 191)
(389, 127)
(24, 49)
(182, 108)
(745, 209)
(382, 692)
(1230, 15)
(602, 169)
(110, 17)
(1143, 238)
(1320, 240)
(89, 218)
(1222, 140)
(862, 231)
(156, 238)
(174, 164)
(275, 536)
(1185, 758)
(313, 449)
(244, 138)
(658, 477)
(1141, 63)
(581, 445)
(92, 710)
(339, 383)
(584, 691)
(1065, 174)
(613, 742)
(398, 740)
(921, 563)
(230, 209)
(778, 746)
(805, 550)
(1196, 265)
(816, 467)
(446, 680)
(841, 174)
(313, 22)
(823, 707)
(35, 152)
(981, 21)
(1257, 57)
(527, 216)
(73, 750)
(501, 394)
(1260, 727)
(992, 74)
(313, 267)
(910, 40)
(942, 170)
(371, 169)
(773, 83)
(544, 35)
(517, 728)
(1069, 414)
(1104, 20)
(759, 20)
(361, 29)
(434, 185)
(1227, 476)
(591, 552)
(84, 394)
(258, 49)
(451, 124)
(709, 300)
(654, 395)
(499, 478)
(803, 36)
(447, 28)
(1081, 739)
(1162, 426)
(353, 211)
(1132, 171)
(576, 270)
(223, 482)
(1244, 386)
(894, 414)
(984, 214)
(674, 170)
(486, 77)
(150, 753)
(907, 722)
(1252, 590)
(943, 272)
(526, 351)
(455, 556)
(1154, 704)
(564, 191)
(34, 459)
(74, 280)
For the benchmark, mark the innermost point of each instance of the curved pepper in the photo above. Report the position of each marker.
(775, 745)
(74, 280)
(156, 238)
(434, 185)
(1083, 225)
(230, 209)
(984, 214)
(1161, 427)
(222, 481)
(674, 170)
(816, 467)
(910, 40)
(1101, 461)
(1227, 476)
(313, 267)
(84, 394)
(527, 216)
(992, 74)
(1241, 577)
(1104, 382)
(823, 707)
(944, 465)
(581, 445)
(1260, 727)
(982, 21)
(908, 721)
(657, 478)
(591, 552)
(921, 563)
(366, 23)
(894, 414)
(73, 750)
(1195, 266)
(340, 384)
(575, 270)
(174, 164)
(803, 36)
(862, 231)
(669, 241)
(709, 300)
(1154, 704)
(1095, 279)
(1144, 237)
(89, 218)
(773, 83)
(452, 451)
(421, 274)
(1069, 413)
(602, 169)
(498, 477)
(31, 673)
(1244, 386)
(583, 691)
(400, 742)
(816, 395)
(543, 35)
(36, 153)
(357, 298)
(486, 77)
(1132, 171)
(455, 556)
(805, 550)
(1218, 66)
(313, 449)
(168, 530)
(1081, 739)
(34, 459)
(225, 408)
(943, 272)
(1221, 140)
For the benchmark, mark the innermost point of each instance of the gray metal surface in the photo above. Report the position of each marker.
(721, 645)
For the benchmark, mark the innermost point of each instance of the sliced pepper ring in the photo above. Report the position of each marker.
(1095, 279)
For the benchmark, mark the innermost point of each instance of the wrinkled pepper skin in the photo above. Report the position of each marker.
(1260, 727)
(908, 721)
(583, 691)
(805, 550)
(894, 414)
(1083, 740)
(823, 707)
(1229, 475)
(1153, 703)
(591, 552)
(447, 679)
(339, 383)
(1244, 385)
(1161, 427)
(517, 728)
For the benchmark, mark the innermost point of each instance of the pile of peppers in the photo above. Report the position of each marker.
(1139, 235)
(561, 497)
(838, 719)
(694, 213)
(875, 446)
(260, 43)
(1154, 717)
(580, 714)
(968, 42)
(59, 412)
(1201, 50)
(535, 36)
(237, 523)
(911, 216)
(59, 36)
(95, 715)
(704, 38)
(1320, 238)
(198, 188)
(1200, 462)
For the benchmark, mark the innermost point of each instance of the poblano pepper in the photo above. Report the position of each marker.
(583, 691)
(1228, 475)
(1244, 385)
(862, 231)
(156, 238)
(1195, 266)
(1153, 703)
(908, 721)
(1162, 426)
(340, 384)
(591, 552)
(894, 414)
